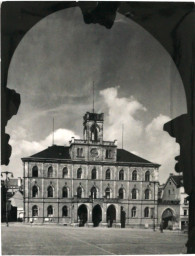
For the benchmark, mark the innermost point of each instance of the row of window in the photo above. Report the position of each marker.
(93, 174)
(93, 191)
(50, 211)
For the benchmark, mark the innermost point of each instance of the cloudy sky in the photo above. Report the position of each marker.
(136, 84)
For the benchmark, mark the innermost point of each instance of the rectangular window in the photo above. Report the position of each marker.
(185, 212)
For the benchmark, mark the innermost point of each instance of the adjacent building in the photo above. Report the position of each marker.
(91, 182)
(173, 204)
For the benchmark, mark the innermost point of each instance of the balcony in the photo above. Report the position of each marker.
(92, 142)
(95, 200)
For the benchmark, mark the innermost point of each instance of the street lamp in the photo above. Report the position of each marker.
(6, 186)
(153, 214)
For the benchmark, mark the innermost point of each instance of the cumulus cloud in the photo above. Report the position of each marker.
(148, 141)
(122, 111)
(24, 148)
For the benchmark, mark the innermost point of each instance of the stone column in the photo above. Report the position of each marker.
(89, 219)
(118, 216)
(104, 210)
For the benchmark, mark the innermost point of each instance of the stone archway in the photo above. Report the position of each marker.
(168, 218)
(111, 215)
(82, 215)
(96, 215)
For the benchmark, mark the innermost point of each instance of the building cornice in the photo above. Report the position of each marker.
(69, 161)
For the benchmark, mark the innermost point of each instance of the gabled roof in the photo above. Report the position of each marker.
(126, 156)
(17, 199)
(178, 180)
(59, 152)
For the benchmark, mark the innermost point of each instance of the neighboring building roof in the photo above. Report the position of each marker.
(13, 183)
(62, 152)
(17, 200)
(59, 152)
(178, 180)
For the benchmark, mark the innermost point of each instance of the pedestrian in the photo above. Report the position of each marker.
(161, 226)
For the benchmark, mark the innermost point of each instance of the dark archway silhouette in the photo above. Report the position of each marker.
(111, 215)
(82, 215)
(171, 23)
(96, 215)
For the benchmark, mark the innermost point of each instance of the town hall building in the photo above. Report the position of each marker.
(90, 183)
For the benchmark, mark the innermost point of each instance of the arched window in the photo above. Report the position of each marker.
(146, 212)
(65, 192)
(34, 191)
(121, 193)
(147, 194)
(94, 192)
(93, 174)
(64, 172)
(35, 211)
(50, 191)
(79, 192)
(134, 193)
(94, 133)
(50, 211)
(134, 175)
(35, 171)
(108, 174)
(50, 172)
(121, 175)
(133, 212)
(79, 173)
(107, 192)
(64, 211)
(147, 176)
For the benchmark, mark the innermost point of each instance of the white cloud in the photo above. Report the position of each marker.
(150, 141)
(122, 111)
(23, 148)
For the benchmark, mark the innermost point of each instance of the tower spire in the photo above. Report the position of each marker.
(93, 98)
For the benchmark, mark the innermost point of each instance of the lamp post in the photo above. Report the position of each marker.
(6, 186)
(153, 215)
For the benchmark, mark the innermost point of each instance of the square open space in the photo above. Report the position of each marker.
(59, 240)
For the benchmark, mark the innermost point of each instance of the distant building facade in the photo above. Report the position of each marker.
(173, 206)
(90, 183)
(12, 189)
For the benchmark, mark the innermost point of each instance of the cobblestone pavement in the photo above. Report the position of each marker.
(58, 240)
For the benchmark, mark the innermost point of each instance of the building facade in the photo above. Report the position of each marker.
(90, 183)
(173, 204)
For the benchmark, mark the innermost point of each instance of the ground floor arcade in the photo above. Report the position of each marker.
(93, 214)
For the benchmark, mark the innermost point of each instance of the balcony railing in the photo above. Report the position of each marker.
(95, 200)
(105, 143)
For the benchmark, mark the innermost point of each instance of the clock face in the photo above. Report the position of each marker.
(94, 152)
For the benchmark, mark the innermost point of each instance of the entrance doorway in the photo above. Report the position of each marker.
(96, 215)
(111, 215)
(168, 218)
(82, 215)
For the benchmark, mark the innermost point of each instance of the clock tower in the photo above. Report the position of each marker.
(93, 127)
(92, 147)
